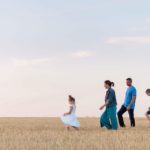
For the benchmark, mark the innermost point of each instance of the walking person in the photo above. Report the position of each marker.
(109, 117)
(129, 104)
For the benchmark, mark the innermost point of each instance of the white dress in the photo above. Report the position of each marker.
(71, 119)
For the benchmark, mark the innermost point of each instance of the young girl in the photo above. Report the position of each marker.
(69, 118)
(109, 117)
(148, 112)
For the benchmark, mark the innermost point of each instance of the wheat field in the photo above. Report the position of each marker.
(49, 134)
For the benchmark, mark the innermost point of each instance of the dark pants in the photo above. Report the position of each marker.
(131, 115)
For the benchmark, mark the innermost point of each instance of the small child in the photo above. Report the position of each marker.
(69, 118)
(147, 114)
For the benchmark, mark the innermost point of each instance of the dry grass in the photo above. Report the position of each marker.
(49, 134)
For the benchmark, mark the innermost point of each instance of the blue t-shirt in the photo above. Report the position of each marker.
(131, 91)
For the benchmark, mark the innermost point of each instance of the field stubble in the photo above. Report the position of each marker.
(49, 134)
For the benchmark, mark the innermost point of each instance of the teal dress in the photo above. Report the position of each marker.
(109, 117)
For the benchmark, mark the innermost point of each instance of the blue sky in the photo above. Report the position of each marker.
(50, 49)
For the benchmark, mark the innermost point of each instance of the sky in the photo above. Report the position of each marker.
(52, 49)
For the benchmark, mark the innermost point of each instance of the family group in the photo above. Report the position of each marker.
(110, 116)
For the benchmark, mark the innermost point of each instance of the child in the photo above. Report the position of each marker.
(148, 112)
(69, 118)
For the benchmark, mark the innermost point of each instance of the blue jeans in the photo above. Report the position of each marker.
(109, 118)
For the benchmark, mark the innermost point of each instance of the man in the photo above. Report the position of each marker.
(147, 114)
(129, 104)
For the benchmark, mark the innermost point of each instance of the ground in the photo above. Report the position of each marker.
(49, 134)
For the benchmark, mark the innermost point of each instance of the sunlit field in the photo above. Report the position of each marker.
(49, 134)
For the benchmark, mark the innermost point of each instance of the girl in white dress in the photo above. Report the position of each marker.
(69, 118)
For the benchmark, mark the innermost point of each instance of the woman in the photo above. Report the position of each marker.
(109, 117)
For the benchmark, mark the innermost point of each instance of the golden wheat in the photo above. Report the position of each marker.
(49, 134)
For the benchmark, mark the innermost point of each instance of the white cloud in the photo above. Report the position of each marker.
(129, 40)
(31, 62)
(83, 54)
